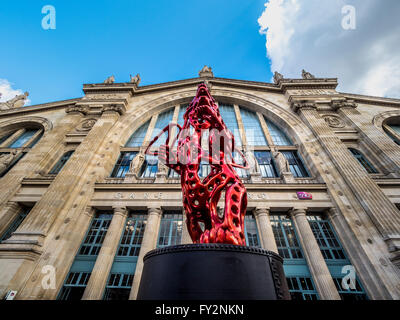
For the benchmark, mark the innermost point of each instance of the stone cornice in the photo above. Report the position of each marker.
(177, 187)
(298, 84)
(372, 99)
(40, 107)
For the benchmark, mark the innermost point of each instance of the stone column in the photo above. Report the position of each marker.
(376, 204)
(101, 270)
(265, 228)
(149, 242)
(316, 262)
(8, 214)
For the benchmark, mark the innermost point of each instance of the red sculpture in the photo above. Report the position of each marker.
(200, 198)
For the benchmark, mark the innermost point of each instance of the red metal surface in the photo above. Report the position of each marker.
(200, 197)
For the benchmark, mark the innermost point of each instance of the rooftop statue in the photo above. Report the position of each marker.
(307, 75)
(110, 80)
(17, 102)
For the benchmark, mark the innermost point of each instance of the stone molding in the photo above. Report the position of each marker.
(78, 108)
(119, 108)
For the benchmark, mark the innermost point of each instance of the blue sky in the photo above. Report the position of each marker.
(172, 40)
(162, 40)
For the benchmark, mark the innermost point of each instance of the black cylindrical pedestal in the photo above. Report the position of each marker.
(212, 272)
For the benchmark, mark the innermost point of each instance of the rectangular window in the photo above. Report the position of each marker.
(123, 269)
(170, 229)
(15, 224)
(251, 231)
(302, 288)
(296, 165)
(97, 232)
(118, 287)
(123, 164)
(81, 269)
(266, 164)
(350, 294)
(285, 237)
(323, 233)
(150, 167)
(132, 237)
(61, 163)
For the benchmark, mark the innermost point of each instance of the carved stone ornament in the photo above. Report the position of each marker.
(281, 162)
(7, 158)
(334, 122)
(206, 72)
(76, 108)
(135, 80)
(17, 102)
(277, 77)
(86, 125)
(114, 107)
(110, 80)
(343, 104)
(303, 105)
(307, 75)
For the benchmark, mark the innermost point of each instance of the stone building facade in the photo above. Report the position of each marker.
(80, 205)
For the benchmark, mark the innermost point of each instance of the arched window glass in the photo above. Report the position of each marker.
(227, 112)
(23, 138)
(136, 140)
(123, 164)
(162, 121)
(277, 135)
(61, 163)
(253, 130)
(363, 161)
(182, 111)
(20, 140)
(393, 131)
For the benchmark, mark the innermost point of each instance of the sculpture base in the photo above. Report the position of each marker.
(212, 272)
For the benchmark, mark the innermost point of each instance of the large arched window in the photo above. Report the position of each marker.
(259, 133)
(14, 144)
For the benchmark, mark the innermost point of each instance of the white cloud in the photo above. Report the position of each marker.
(308, 34)
(7, 92)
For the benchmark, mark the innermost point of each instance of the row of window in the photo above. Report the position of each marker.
(122, 272)
(255, 135)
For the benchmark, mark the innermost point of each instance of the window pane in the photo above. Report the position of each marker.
(267, 166)
(60, 164)
(228, 115)
(254, 133)
(277, 135)
(170, 229)
(296, 165)
(23, 138)
(123, 164)
(136, 140)
(15, 224)
(363, 161)
(163, 120)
